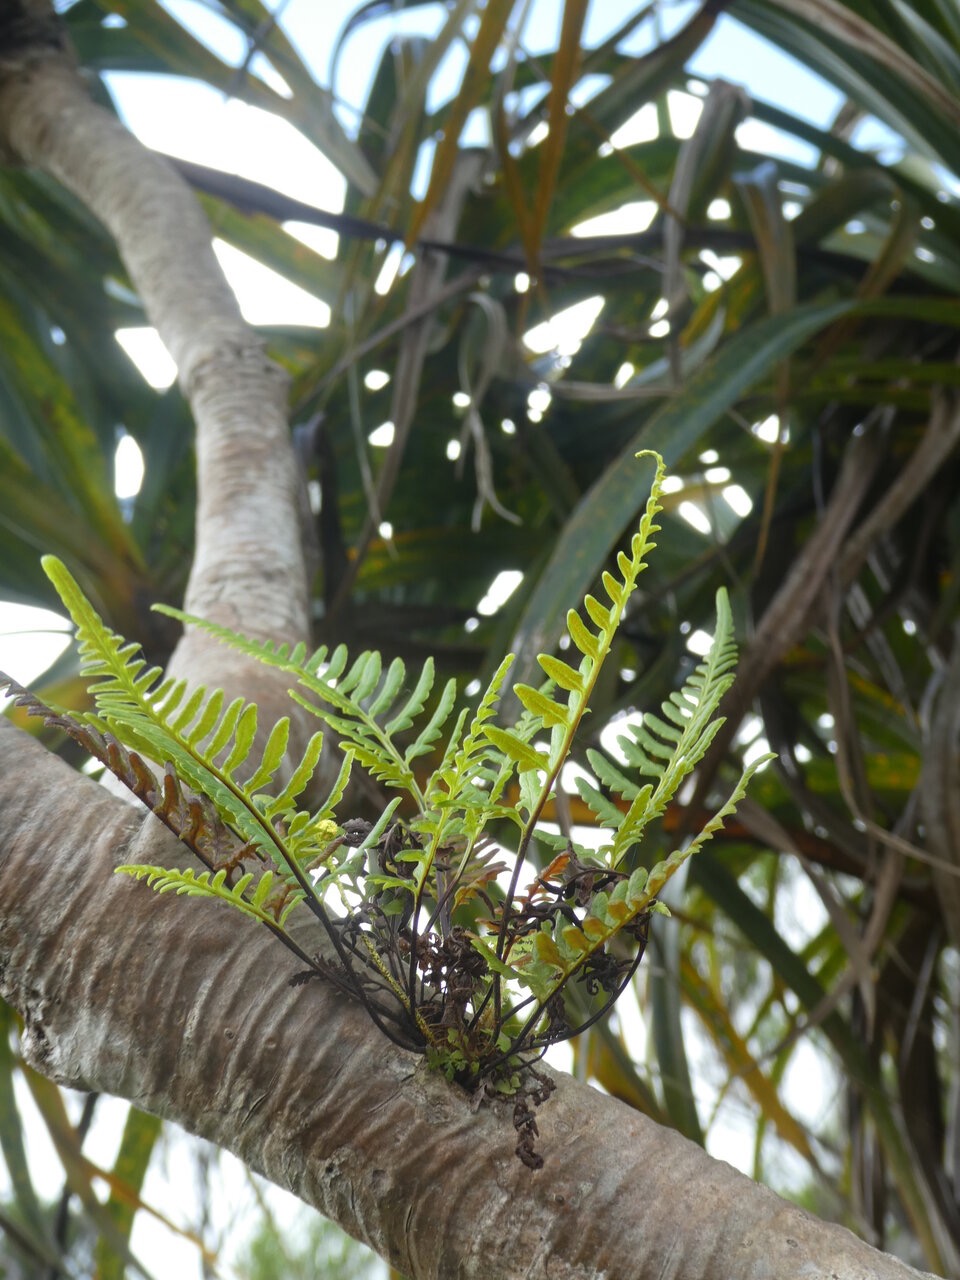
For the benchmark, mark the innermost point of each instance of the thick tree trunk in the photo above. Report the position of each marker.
(248, 570)
(173, 1005)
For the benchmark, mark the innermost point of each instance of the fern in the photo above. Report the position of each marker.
(557, 955)
(417, 925)
(679, 742)
(362, 703)
(205, 743)
(563, 715)
(209, 884)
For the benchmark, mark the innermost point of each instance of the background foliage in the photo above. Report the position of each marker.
(788, 328)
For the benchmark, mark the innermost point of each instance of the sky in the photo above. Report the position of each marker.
(194, 122)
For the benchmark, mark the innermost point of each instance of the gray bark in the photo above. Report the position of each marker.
(248, 568)
(188, 1013)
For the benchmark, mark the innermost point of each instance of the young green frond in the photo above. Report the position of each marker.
(414, 704)
(468, 756)
(431, 731)
(562, 714)
(666, 749)
(205, 745)
(361, 703)
(206, 884)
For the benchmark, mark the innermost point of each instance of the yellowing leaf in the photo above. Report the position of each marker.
(547, 951)
(594, 929)
(575, 938)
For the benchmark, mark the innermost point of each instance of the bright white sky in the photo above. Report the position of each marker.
(194, 122)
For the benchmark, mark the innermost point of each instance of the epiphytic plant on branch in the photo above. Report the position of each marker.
(422, 915)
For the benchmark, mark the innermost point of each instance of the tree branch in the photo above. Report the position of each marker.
(171, 1005)
(248, 569)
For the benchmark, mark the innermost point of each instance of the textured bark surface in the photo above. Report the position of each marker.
(248, 567)
(188, 1013)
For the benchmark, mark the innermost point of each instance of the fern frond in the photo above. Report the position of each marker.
(299, 779)
(204, 744)
(224, 730)
(602, 808)
(431, 731)
(524, 757)
(662, 872)
(610, 776)
(680, 740)
(562, 951)
(413, 706)
(363, 704)
(463, 757)
(362, 677)
(206, 884)
(387, 693)
(562, 714)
